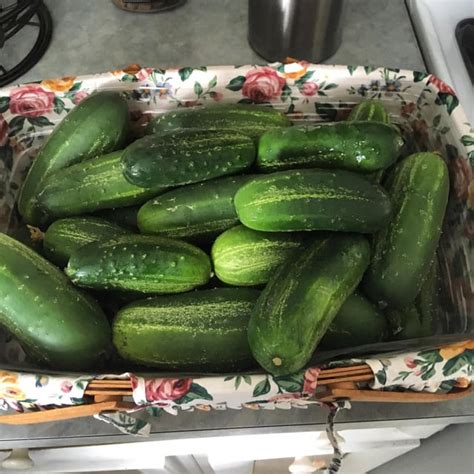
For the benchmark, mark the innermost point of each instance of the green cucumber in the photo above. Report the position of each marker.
(144, 264)
(427, 301)
(295, 200)
(357, 323)
(123, 216)
(197, 211)
(55, 323)
(246, 257)
(65, 236)
(355, 146)
(404, 250)
(186, 156)
(250, 120)
(302, 299)
(371, 111)
(404, 323)
(90, 186)
(202, 330)
(98, 125)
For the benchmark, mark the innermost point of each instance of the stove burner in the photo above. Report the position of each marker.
(13, 18)
(148, 6)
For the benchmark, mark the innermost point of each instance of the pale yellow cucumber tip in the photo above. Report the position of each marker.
(277, 361)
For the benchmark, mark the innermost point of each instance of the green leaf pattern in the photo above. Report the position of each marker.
(262, 388)
(429, 370)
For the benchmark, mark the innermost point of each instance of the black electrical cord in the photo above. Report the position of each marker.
(13, 18)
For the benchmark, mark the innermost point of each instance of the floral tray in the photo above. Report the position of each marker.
(425, 108)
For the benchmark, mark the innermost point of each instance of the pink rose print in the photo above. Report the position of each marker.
(217, 96)
(3, 131)
(410, 362)
(31, 101)
(262, 84)
(134, 382)
(311, 380)
(309, 88)
(166, 389)
(440, 85)
(79, 97)
(66, 386)
(144, 73)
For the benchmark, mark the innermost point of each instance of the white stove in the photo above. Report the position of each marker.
(435, 23)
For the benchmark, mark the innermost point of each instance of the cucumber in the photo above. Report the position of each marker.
(404, 323)
(98, 125)
(356, 146)
(404, 250)
(197, 211)
(302, 298)
(123, 216)
(295, 200)
(371, 111)
(246, 257)
(186, 156)
(358, 322)
(65, 236)
(250, 120)
(427, 301)
(90, 186)
(145, 264)
(203, 330)
(56, 324)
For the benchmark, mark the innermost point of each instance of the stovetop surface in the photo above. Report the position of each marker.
(436, 23)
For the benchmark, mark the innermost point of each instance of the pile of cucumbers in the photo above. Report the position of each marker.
(223, 237)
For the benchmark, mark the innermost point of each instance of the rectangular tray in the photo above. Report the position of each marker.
(424, 107)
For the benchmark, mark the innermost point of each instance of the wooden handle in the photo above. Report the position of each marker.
(333, 393)
(67, 413)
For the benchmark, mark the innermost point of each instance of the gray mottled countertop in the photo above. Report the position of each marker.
(93, 36)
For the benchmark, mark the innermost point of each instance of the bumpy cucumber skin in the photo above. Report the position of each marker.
(197, 212)
(404, 250)
(98, 125)
(404, 323)
(186, 156)
(371, 111)
(313, 200)
(302, 299)
(246, 257)
(358, 322)
(144, 264)
(65, 236)
(356, 146)
(196, 331)
(57, 325)
(427, 301)
(250, 120)
(90, 186)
